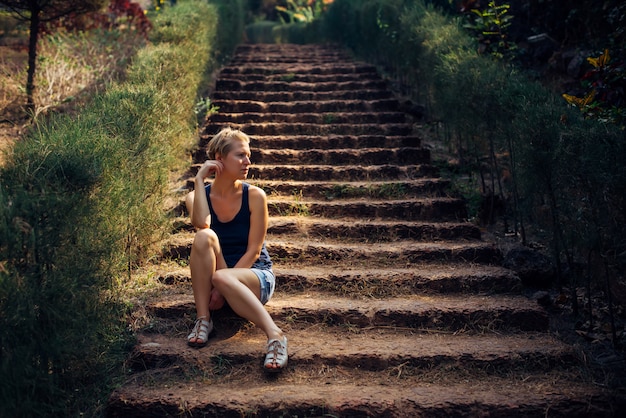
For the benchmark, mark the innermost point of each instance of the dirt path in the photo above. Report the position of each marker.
(394, 305)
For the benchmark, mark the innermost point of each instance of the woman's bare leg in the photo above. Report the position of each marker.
(241, 289)
(203, 263)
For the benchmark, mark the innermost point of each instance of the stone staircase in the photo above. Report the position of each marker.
(393, 304)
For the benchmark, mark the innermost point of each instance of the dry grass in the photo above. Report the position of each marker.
(70, 67)
(12, 66)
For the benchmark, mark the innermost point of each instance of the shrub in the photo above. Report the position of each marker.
(82, 202)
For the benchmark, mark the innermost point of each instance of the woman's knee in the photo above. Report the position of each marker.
(221, 279)
(205, 239)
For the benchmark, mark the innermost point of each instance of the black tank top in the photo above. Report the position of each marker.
(233, 235)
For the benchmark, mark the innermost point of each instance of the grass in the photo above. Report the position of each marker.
(375, 191)
(295, 207)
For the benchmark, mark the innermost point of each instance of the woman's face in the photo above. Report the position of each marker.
(237, 161)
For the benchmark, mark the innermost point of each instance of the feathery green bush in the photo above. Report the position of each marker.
(82, 203)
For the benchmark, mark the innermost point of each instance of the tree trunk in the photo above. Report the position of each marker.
(32, 58)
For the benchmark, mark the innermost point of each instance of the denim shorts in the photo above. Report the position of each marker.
(268, 283)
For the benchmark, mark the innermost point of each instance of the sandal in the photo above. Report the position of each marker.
(200, 333)
(276, 355)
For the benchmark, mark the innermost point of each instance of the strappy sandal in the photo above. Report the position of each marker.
(276, 355)
(200, 333)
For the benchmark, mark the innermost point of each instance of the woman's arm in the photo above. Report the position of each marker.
(200, 214)
(259, 216)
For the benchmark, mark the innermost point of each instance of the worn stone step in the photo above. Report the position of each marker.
(363, 156)
(280, 57)
(333, 393)
(334, 190)
(369, 231)
(269, 69)
(299, 96)
(300, 77)
(355, 157)
(303, 142)
(381, 254)
(373, 231)
(320, 106)
(333, 173)
(419, 209)
(334, 141)
(281, 60)
(237, 85)
(338, 173)
(317, 118)
(368, 189)
(448, 313)
(310, 250)
(270, 128)
(366, 281)
(373, 349)
(425, 278)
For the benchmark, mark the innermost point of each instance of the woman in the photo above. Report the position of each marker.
(229, 261)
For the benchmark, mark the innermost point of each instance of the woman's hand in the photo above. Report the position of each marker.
(210, 167)
(216, 301)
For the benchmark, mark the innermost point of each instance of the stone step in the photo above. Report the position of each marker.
(439, 209)
(358, 189)
(382, 254)
(278, 86)
(334, 393)
(304, 142)
(282, 56)
(333, 173)
(300, 96)
(323, 68)
(320, 106)
(370, 231)
(370, 156)
(426, 209)
(372, 349)
(300, 77)
(317, 118)
(280, 60)
(364, 281)
(373, 231)
(449, 313)
(310, 250)
(271, 128)
(333, 190)
(335, 141)
(425, 278)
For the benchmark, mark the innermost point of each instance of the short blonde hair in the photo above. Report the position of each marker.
(222, 142)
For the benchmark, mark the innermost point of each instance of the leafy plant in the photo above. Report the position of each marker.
(303, 11)
(604, 86)
(491, 28)
(204, 108)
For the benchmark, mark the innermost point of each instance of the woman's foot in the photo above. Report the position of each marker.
(276, 358)
(200, 333)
